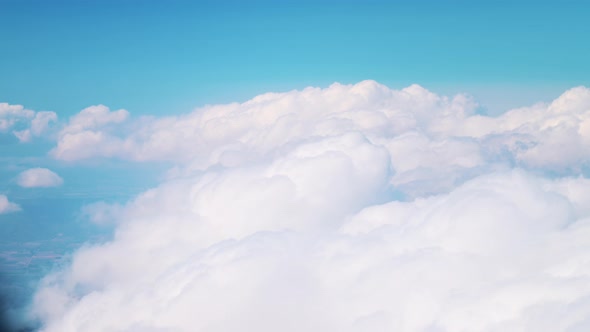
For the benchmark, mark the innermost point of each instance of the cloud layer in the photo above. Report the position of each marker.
(350, 208)
(39, 177)
(430, 138)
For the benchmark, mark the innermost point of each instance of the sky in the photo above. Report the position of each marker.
(161, 57)
(342, 165)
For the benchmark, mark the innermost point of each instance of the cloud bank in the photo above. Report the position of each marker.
(39, 177)
(6, 206)
(350, 208)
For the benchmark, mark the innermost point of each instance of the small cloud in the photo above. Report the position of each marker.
(23, 135)
(6, 206)
(39, 177)
(91, 128)
(102, 213)
(12, 114)
(25, 124)
(41, 122)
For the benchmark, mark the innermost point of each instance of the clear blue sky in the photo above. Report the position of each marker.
(170, 56)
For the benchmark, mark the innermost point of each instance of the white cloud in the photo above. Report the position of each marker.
(94, 117)
(38, 126)
(6, 206)
(351, 208)
(88, 134)
(11, 114)
(262, 124)
(25, 124)
(101, 213)
(554, 136)
(506, 251)
(39, 177)
(23, 135)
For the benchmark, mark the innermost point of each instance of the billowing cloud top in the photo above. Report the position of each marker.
(421, 130)
(350, 208)
(6, 206)
(39, 177)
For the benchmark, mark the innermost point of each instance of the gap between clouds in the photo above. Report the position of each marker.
(31, 178)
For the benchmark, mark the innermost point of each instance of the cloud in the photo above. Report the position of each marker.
(88, 134)
(351, 208)
(25, 124)
(101, 213)
(262, 124)
(506, 251)
(39, 177)
(7, 206)
(439, 137)
(11, 114)
(38, 126)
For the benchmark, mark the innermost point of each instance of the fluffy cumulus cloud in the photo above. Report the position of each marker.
(350, 208)
(39, 177)
(24, 124)
(6, 206)
(430, 138)
(11, 114)
(89, 133)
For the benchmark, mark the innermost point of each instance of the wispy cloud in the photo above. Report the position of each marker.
(6, 206)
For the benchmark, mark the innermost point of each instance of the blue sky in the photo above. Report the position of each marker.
(168, 57)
